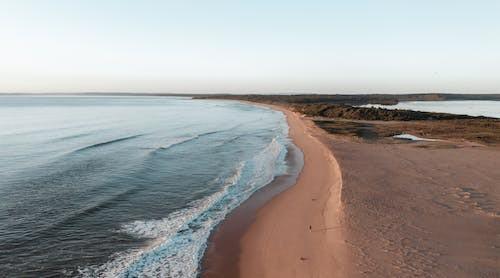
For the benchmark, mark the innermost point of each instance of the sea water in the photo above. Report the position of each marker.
(118, 186)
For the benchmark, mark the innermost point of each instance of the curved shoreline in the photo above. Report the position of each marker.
(297, 232)
(222, 254)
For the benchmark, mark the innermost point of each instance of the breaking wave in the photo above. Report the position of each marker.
(175, 244)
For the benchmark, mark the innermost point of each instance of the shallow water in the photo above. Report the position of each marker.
(465, 107)
(125, 186)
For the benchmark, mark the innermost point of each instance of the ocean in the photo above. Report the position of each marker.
(118, 186)
(466, 107)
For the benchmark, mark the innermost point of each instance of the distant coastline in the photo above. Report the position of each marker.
(349, 99)
(341, 114)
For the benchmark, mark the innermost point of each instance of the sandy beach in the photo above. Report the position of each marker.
(361, 209)
(298, 233)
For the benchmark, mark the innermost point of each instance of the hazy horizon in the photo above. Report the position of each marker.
(325, 47)
(215, 93)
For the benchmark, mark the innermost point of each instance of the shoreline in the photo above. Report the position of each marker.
(222, 254)
(291, 233)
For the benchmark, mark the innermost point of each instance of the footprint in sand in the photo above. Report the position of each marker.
(479, 201)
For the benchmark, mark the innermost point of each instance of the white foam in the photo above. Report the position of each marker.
(170, 225)
(184, 262)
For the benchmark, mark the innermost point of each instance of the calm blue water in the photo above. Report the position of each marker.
(125, 186)
(464, 107)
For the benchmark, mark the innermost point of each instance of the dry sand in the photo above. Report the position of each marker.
(424, 209)
(299, 233)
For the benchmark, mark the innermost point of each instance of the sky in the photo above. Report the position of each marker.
(254, 46)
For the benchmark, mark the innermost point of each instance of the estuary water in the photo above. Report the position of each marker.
(126, 186)
(465, 107)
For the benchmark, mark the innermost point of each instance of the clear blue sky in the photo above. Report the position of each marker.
(250, 46)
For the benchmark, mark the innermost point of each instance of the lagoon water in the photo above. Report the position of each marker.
(466, 107)
(125, 186)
